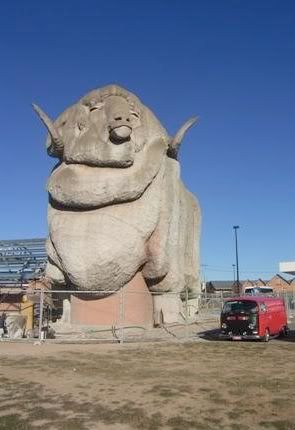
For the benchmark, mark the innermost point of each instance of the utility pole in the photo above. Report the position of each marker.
(204, 280)
(235, 227)
(234, 273)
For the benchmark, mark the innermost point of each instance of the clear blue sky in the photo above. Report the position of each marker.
(231, 62)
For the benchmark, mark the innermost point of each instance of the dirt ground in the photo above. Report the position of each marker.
(174, 385)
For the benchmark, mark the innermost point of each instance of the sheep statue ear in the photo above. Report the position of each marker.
(175, 141)
(56, 146)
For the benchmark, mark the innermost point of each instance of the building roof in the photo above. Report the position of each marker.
(221, 285)
(277, 275)
(228, 285)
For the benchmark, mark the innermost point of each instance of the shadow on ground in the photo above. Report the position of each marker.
(213, 334)
(289, 338)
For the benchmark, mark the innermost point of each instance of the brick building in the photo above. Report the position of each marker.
(278, 283)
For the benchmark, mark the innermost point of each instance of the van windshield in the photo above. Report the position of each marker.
(240, 306)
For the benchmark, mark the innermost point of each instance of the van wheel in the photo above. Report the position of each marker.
(266, 335)
(284, 332)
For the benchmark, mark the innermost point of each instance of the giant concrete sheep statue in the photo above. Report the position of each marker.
(117, 205)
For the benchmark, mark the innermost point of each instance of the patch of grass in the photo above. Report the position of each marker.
(216, 397)
(236, 392)
(238, 412)
(212, 420)
(70, 424)
(13, 422)
(177, 423)
(205, 389)
(163, 391)
(239, 426)
(278, 425)
(134, 416)
(213, 411)
(265, 382)
(170, 390)
(281, 402)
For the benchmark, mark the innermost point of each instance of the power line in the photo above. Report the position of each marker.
(211, 268)
(224, 269)
(241, 271)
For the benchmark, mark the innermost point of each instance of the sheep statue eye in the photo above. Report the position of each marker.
(97, 106)
(81, 125)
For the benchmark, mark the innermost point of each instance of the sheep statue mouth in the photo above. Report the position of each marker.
(80, 186)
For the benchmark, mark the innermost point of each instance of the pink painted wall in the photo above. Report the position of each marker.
(138, 307)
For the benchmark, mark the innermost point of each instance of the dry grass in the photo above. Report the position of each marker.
(208, 385)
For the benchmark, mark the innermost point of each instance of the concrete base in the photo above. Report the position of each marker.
(131, 306)
(167, 308)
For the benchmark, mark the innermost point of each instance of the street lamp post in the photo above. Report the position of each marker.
(235, 227)
(234, 272)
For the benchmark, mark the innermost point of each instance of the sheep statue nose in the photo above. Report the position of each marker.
(121, 133)
(118, 118)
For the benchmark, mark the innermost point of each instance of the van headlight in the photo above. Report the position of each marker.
(223, 325)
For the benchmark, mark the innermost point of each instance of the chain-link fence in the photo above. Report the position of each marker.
(124, 316)
(289, 299)
(210, 305)
(111, 316)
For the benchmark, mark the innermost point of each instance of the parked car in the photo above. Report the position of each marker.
(258, 290)
(253, 317)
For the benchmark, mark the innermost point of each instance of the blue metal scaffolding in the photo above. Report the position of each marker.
(21, 260)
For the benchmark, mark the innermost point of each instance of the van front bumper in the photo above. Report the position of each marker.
(233, 336)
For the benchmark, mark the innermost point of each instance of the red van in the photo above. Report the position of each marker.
(253, 317)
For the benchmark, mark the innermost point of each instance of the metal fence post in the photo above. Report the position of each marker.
(121, 337)
(41, 313)
(287, 304)
(186, 313)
